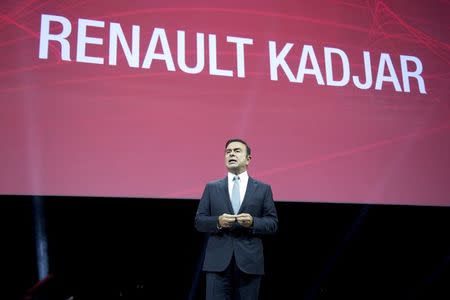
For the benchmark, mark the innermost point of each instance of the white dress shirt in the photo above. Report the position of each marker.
(243, 180)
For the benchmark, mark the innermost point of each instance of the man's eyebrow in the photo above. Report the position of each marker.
(229, 149)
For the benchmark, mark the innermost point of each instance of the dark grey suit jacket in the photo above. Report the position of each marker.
(245, 243)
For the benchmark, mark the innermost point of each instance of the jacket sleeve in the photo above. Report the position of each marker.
(204, 221)
(268, 223)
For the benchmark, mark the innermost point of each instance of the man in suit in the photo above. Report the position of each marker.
(236, 211)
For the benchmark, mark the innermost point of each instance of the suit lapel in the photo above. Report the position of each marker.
(225, 194)
(251, 187)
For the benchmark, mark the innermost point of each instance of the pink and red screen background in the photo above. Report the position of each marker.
(70, 128)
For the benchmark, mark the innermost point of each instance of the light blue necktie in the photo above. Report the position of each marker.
(235, 195)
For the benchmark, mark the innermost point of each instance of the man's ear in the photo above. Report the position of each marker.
(249, 158)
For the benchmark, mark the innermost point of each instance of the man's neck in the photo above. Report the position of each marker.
(237, 172)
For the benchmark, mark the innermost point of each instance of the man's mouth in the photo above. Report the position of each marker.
(230, 161)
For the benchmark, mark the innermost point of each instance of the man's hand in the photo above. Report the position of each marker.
(245, 220)
(226, 220)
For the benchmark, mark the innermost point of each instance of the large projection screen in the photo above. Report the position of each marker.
(341, 101)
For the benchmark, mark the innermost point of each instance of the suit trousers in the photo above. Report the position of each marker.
(232, 284)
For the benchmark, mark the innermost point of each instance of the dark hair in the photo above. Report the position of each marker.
(249, 151)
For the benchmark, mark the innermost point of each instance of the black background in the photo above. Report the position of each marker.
(128, 248)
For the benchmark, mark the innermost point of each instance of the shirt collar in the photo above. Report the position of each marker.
(243, 177)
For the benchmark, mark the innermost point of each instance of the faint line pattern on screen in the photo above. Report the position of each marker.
(418, 134)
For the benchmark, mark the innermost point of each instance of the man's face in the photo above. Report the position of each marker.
(236, 158)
